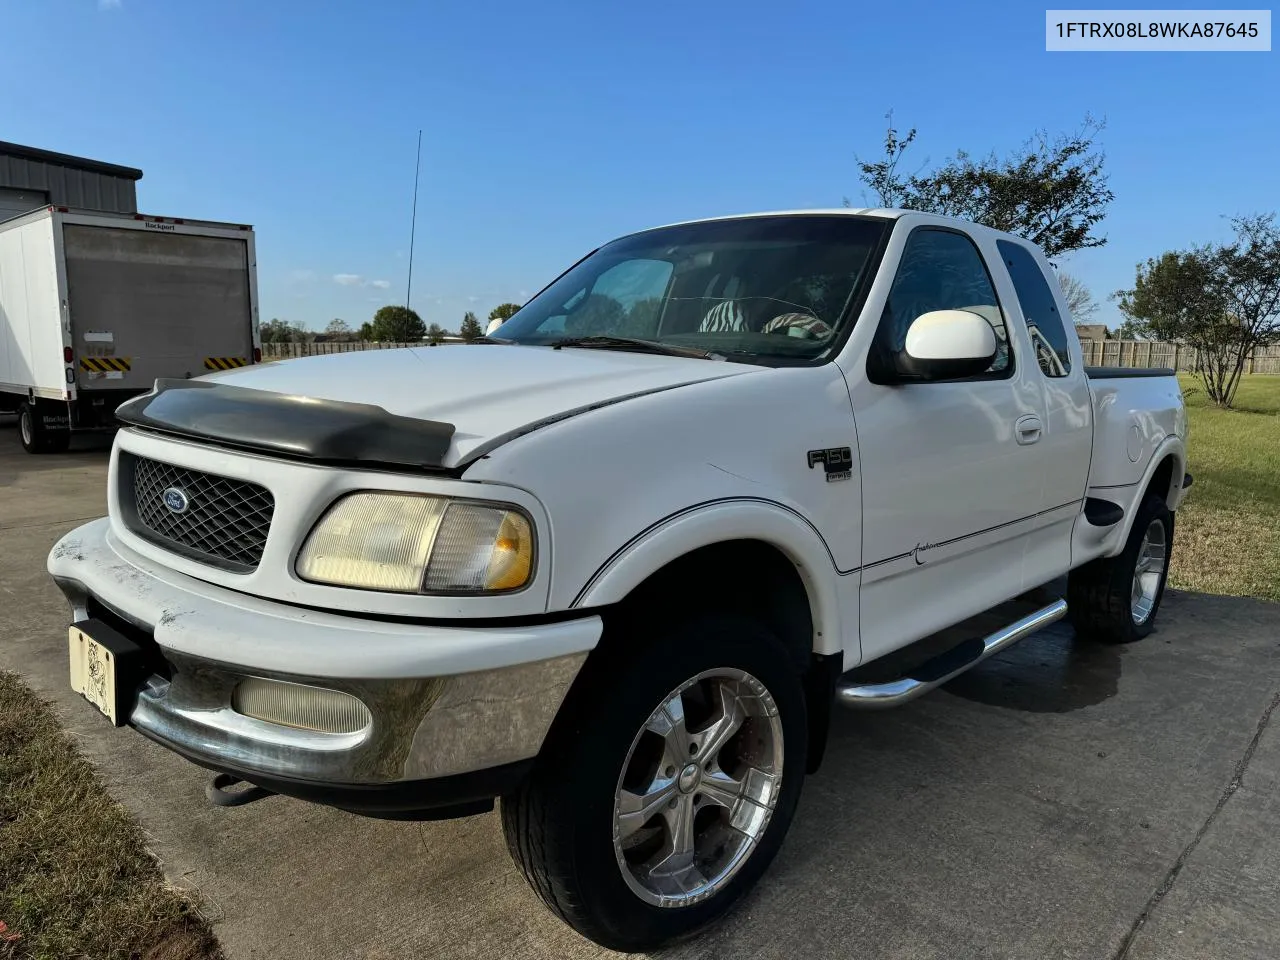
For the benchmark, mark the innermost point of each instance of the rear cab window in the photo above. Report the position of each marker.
(1039, 309)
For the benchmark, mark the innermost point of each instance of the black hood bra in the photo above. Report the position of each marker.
(304, 428)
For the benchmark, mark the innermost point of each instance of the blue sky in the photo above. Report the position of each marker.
(551, 127)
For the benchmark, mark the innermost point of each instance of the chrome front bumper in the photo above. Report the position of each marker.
(436, 711)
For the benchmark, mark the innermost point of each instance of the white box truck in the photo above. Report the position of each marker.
(95, 307)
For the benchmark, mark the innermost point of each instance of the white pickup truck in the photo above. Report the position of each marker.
(616, 563)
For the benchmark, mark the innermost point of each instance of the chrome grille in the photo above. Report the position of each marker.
(214, 519)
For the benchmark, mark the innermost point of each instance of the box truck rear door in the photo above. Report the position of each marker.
(147, 304)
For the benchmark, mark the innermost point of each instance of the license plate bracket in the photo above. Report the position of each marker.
(106, 668)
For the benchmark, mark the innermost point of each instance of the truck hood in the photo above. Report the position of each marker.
(488, 392)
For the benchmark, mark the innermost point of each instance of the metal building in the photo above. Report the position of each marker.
(31, 177)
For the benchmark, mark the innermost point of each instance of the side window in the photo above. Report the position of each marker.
(942, 270)
(1044, 323)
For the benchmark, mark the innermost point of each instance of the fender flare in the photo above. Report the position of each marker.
(738, 518)
(1174, 446)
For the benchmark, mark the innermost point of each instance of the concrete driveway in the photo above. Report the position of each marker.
(1063, 800)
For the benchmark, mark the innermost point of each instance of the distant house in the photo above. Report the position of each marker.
(1093, 331)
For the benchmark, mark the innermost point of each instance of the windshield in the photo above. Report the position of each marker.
(755, 287)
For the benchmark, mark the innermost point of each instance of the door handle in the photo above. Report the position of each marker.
(1026, 430)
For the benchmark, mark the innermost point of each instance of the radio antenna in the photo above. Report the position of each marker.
(413, 223)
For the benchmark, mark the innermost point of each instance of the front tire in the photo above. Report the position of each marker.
(1115, 599)
(667, 783)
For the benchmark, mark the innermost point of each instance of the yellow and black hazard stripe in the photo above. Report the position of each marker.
(224, 363)
(105, 364)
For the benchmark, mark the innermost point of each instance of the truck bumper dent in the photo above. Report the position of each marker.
(432, 726)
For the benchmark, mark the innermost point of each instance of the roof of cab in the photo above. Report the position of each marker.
(884, 213)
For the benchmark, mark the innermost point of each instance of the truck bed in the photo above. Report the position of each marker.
(1135, 410)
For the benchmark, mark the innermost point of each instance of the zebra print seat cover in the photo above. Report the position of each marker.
(725, 317)
(729, 317)
(798, 325)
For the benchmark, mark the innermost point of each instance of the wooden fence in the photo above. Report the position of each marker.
(287, 351)
(1151, 353)
(1097, 353)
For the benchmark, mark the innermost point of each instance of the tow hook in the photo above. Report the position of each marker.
(220, 795)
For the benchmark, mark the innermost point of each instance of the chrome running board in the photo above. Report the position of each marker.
(937, 671)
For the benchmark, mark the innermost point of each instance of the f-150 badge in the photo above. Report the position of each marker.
(837, 462)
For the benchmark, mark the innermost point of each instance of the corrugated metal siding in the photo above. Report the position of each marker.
(13, 203)
(67, 186)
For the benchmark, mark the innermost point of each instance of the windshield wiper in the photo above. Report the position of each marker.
(605, 342)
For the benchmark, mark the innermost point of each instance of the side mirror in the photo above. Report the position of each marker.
(946, 345)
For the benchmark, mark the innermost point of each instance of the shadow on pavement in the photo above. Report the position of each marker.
(1046, 673)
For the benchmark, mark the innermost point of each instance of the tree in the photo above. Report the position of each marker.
(882, 175)
(503, 311)
(1080, 301)
(397, 325)
(435, 334)
(596, 315)
(642, 318)
(1050, 191)
(470, 328)
(366, 331)
(1131, 330)
(282, 331)
(1221, 299)
(338, 329)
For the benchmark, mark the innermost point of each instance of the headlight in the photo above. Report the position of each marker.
(419, 544)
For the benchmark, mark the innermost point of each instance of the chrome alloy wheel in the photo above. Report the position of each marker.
(698, 788)
(25, 426)
(1147, 571)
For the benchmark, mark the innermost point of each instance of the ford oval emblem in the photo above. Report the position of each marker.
(175, 499)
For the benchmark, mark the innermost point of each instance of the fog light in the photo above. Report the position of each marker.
(298, 705)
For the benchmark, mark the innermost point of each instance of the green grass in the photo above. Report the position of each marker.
(76, 879)
(1228, 534)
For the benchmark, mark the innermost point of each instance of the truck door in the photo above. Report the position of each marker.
(950, 477)
(1066, 443)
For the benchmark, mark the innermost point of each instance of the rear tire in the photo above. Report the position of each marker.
(38, 438)
(596, 827)
(1116, 599)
